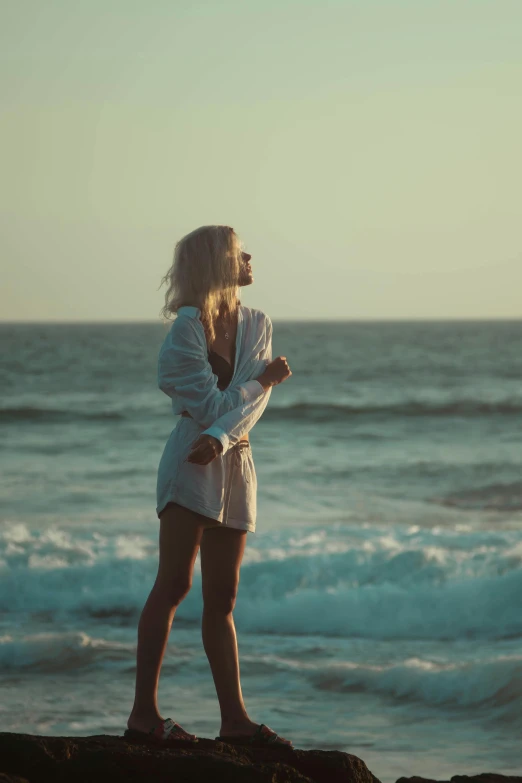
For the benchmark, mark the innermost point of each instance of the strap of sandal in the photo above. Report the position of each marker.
(170, 727)
(270, 737)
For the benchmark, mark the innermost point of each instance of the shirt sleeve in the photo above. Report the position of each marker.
(184, 371)
(232, 426)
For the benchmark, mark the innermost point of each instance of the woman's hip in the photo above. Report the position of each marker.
(174, 465)
(224, 488)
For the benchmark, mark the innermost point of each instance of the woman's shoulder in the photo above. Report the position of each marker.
(184, 327)
(258, 315)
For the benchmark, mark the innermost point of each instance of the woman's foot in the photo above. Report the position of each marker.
(143, 721)
(157, 728)
(241, 727)
(250, 733)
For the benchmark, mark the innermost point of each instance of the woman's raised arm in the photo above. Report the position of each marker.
(184, 370)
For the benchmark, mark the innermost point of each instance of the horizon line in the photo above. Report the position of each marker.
(406, 319)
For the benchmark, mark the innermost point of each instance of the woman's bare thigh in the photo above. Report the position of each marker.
(221, 555)
(180, 536)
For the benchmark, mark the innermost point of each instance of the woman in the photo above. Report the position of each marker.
(216, 365)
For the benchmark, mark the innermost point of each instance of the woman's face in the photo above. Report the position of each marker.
(246, 276)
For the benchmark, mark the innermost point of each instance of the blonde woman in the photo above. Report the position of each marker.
(216, 366)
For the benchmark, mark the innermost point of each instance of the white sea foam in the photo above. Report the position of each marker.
(376, 583)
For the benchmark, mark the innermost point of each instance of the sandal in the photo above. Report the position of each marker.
(164, 733)
(262, 736)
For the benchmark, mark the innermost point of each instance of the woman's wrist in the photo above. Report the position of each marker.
(265, 383)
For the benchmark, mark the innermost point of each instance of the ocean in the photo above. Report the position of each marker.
(380, 600)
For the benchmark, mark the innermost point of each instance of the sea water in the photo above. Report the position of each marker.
(380, 601)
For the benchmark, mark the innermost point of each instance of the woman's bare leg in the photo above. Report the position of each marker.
(221, 553)
(179, 539)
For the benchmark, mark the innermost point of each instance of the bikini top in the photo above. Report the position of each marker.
(222, 368)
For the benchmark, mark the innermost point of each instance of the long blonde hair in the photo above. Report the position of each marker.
(205, 274)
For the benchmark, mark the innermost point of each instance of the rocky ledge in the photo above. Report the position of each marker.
(26, 758)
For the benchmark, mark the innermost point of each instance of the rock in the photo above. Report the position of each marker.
(484, 777)
(103, 758)
(27, 758)
(12, 779)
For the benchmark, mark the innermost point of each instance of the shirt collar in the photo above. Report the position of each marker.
(193, 312)
(189, 310)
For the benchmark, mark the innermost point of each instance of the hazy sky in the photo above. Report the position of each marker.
(367, 151)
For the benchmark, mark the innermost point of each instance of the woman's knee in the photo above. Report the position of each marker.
(173, 590)
(219, 600)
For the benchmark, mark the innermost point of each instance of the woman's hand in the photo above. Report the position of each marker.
(274, 373)
(205, 449)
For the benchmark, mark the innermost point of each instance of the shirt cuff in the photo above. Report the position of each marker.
(220, 434)
(251, 390)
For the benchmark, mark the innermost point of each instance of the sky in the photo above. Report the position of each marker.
(367, 152)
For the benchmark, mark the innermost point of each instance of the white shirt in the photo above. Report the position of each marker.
(185, 374)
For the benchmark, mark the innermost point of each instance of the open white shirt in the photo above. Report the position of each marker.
(185, 374)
